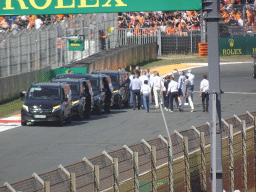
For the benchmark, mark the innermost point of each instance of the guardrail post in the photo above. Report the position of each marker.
(73, 182)
(231, 154)
(96, 174)
(8, 186)
(186, 161)
(135, 164)
(116, 175)
(96, 178)
(115, 171)
(71, 177)
(153, 168)
(244, 155)
(45, 184)
(136, 171)
(187, 169)
(153, 164)
(254, 123)
(170, 162)
(203, 164)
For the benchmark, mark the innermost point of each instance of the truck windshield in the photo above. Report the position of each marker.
(95, 84)
(52, 93)
(74, 88)
(114, 79)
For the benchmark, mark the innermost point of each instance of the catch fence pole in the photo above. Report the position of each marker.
(244, 155)
(231, 154)
(96, 174)
(153, 168)
(187, 169)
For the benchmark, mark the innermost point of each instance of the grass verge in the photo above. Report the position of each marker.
(10, 107)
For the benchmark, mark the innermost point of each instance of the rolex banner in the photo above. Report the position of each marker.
(229, 46)
(38, 7)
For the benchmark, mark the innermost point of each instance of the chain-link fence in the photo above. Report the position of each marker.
(147, 165)
(32, 50)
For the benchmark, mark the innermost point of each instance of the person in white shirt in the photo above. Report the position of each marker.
(191, 78)
(145, 91)
(131, 77)
(187, 90)
(152, 76)
(173, 91)
(147, 73)
(157, 85)
(181, 81)
(38, 23)
(143, 77)
(204, 93)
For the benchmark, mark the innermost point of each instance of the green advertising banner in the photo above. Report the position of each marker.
(229, 46)
(82, 70)
(76, 45)
(38, 7)
(232, 46)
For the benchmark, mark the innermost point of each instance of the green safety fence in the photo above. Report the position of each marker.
(229, 46)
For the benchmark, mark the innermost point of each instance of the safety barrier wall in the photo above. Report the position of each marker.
(12, 85)
(150, 165)
(121, 57)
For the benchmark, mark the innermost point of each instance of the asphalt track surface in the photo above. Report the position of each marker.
(41, 148)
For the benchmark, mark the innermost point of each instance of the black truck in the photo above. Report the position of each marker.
(81, 96)
(46, 102)
(99, 93)
(121, 91)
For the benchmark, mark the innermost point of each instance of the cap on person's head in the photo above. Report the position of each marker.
(146, 82)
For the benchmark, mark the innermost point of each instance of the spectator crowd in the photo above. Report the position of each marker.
(17, 23)
(169, 22)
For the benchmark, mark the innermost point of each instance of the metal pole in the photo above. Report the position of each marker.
(191, 47)
(212, 18)
(244, 20)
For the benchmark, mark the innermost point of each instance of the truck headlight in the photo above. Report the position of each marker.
(25, 107)
(55, 108)
(75, 102)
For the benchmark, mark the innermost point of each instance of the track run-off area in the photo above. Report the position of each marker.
(42, 147)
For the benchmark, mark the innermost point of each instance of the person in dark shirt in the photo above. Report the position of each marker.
(108, 95)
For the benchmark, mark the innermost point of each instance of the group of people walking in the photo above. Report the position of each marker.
(146, 86)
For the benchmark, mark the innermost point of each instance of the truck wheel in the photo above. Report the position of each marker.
(23, 123)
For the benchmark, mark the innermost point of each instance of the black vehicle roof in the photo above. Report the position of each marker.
(109, 72)
(70, 75)
(67, 80)
(48, 84)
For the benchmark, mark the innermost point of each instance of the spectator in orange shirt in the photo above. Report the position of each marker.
(170, 30)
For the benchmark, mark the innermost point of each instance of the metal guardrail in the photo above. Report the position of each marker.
(117, 169)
